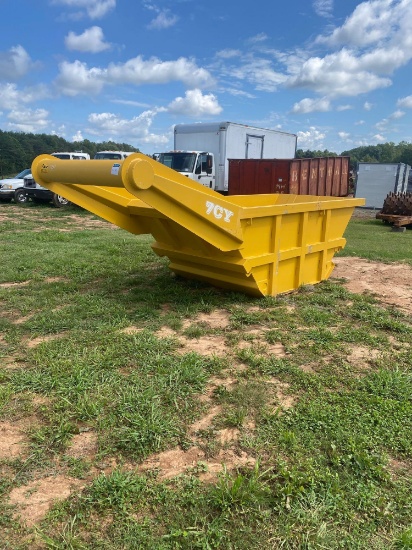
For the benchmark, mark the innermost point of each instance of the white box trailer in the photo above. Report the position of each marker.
(201, 150)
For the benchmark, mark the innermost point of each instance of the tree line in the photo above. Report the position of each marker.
(382, 153)
(19, 149)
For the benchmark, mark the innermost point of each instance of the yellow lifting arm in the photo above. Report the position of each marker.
(207, 213)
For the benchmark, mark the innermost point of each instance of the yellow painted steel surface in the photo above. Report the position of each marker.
(258, 244)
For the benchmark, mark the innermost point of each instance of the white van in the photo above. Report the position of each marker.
(78, 155)
(112, 155)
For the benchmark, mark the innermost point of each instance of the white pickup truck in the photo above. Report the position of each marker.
(9, 186)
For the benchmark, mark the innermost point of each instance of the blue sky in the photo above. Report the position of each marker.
(338, 73)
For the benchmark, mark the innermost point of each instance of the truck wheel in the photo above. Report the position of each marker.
(59, 201)
(21, 197)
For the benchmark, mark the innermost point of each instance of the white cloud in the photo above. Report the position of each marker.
(261, 37)
(92, 40)
(28, 120)
(374, 41)
(337, 74)
(13, 98)
(382, 124)
(323, 8)
(343, 135)
(361, 55)
(154, 71)
(78, 136)
(61, 131)
(195, 104)
(14, 63)
(163, 20)
(312, 139)
(397, 114)
(310, 105)
(359, 123)
(237, 92)
(405, 102)
(228, 53)
(379, 137)
(372, 22)
(344, 107)
(76, 78)
(131, 103)
(111, 126)
(367, 106)
(95, 9)
(258, 72)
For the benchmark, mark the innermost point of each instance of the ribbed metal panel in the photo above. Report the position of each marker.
(321, 176)
(375, 180)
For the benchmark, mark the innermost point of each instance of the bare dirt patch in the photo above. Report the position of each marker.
(83, 445)
(35, 499)
(11, 285)
(218, 318)
(205, 345)
(226, 460)
(12, 440)
(55, 280)
(174, 462)
(166, 332)
(90, 223)
(22, 320)
(280, 396)
(206, 421)
(362, 357)
(37, 341)
(390, 283)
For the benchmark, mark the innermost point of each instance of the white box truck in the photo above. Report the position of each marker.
(201, 150)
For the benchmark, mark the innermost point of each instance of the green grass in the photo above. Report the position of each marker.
(372, 239)
(327, 436)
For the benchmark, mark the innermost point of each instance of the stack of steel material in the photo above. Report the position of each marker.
(397, 209)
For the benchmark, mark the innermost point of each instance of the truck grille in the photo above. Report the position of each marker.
(29, 183)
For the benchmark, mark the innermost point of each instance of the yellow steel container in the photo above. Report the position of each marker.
(258, 244)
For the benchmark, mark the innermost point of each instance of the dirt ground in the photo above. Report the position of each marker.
(391, 284)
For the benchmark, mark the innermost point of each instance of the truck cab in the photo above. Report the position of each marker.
(196, 165)
(9, 186)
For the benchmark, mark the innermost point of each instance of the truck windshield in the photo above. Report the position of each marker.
(110, 156)
(24, 173)
(181, 162)
(62, 156)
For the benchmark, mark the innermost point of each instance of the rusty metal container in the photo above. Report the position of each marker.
(320, 176)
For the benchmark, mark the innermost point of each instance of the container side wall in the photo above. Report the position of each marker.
(321, 176)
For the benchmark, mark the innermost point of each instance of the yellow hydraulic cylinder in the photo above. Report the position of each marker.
(259, 244)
